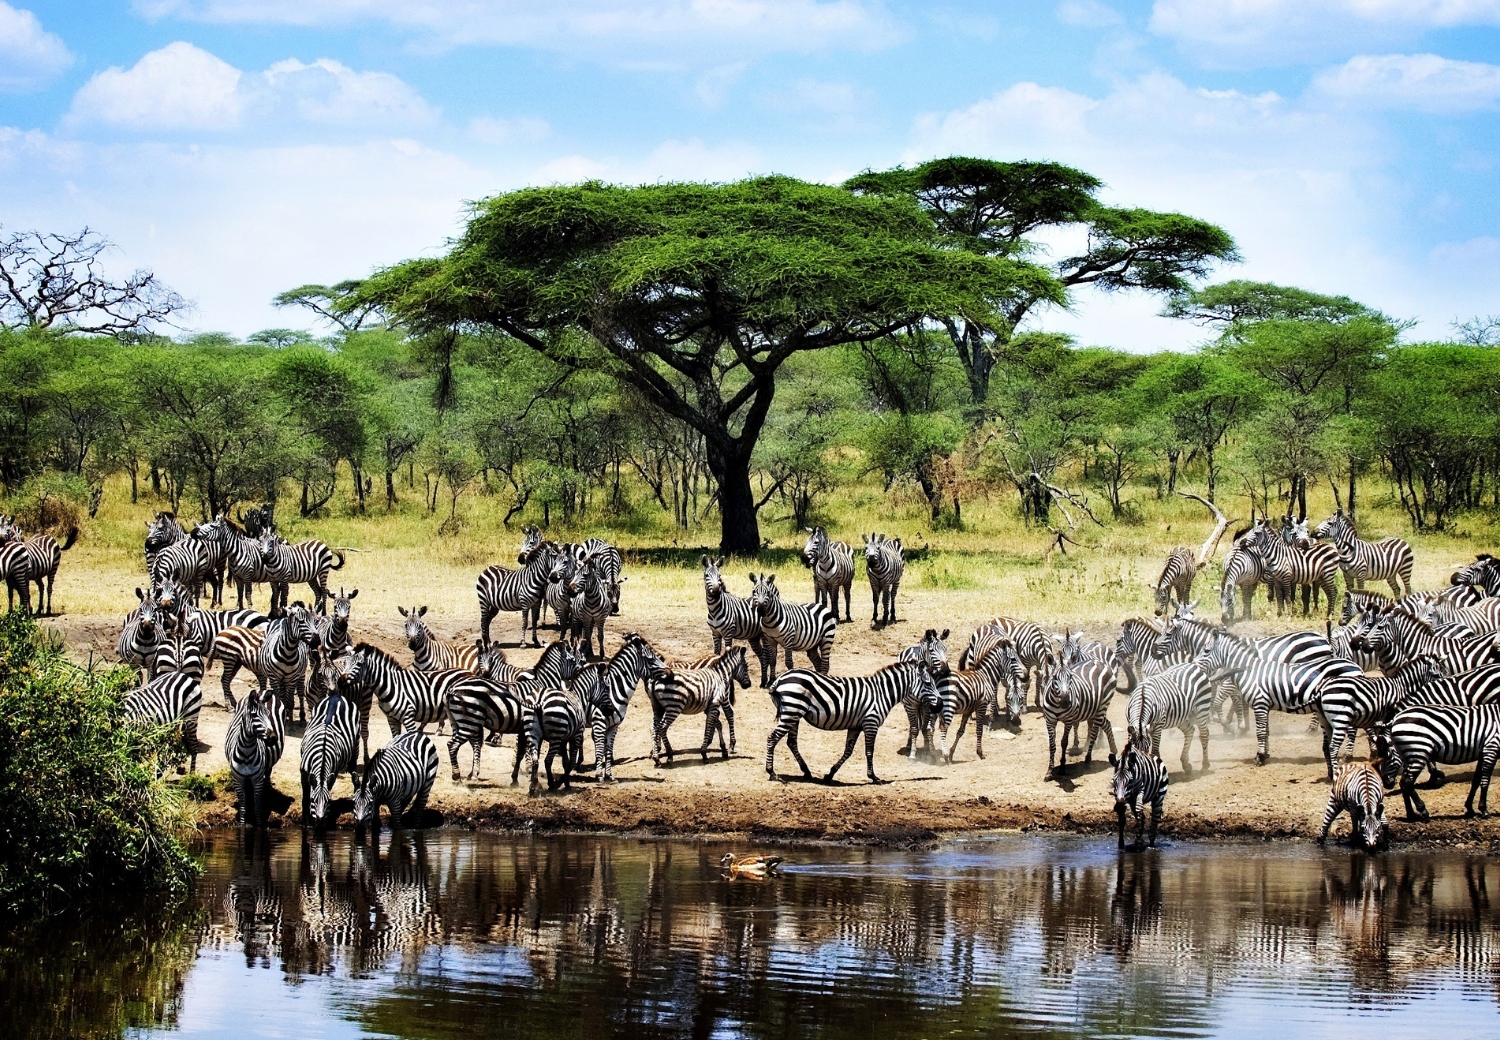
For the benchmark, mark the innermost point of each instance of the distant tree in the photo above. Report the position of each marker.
(50, 280)
(1478, 331)
(1235, 304)
(336, 303)
(279, 338)
(1205, 397)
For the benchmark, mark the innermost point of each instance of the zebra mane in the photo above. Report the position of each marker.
(372, 650)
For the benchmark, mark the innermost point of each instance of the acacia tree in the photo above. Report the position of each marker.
(995, 208)
(57, 281)
(695, 295)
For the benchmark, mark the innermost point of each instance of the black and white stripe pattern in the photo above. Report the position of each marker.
(330, 746)
(1395, 637)
(705, 689)
(410, 699)
(162, 530)
(1482, 574)
(967, 691)
(607, 689)
(931, 651)
(234, 648)
(333, 642)
(240, 551)
(503, 590)
(559, 596)
(1034, 647)
(141, 633)
(281, 659)
(15, 571)
(884, 566)
(1353, 702)
(1181, 697)
(1176, 579)
(253, 745)
(1140, 645)
(832, 565)
(610, 564)
(1079, 691)
(731, 617)
(1140, 780)
(1286, 567)
(306, 562)
(400, 778)
(431, 654)
(477, 705)
(1428, 733)
(857, 705)
(1389, 559)
(1357, 790)
(186, 563)
(592, 604)
(559, 719)
(175, 696)
(44, 557)
(1242, 573)
(791, 626)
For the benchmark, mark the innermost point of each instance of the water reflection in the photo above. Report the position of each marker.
(449, 934)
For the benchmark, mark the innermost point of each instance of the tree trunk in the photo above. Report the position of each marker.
(1213, 473)
(739, 532)
(1352, 466)
(390, 489)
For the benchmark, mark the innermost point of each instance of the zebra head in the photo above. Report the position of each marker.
(172, 598)
(765, 597)
(1012, 677)
(713, 581)
(1370, 630)
(258, 708)
(1384, 758)
(570, 660)
(564, 564)
(648, 661)
(343, 607)
(415, 628)
(162, 531)
(366, 806)
(586, 572)
(1338, 526)
(328, 671)
(319, 803)
(299, 621)
(530, 544)
(270, 545)
(10, 531)
(490, 659)
(739, 667)
(1295, 533)
(817, 543)
(932, 651)
(257, 520)
(1484, 572)
(212, 532)
(146, 619)
(351, 667)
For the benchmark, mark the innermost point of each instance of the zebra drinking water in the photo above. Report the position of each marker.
(400, 778)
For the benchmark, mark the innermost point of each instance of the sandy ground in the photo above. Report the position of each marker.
(1006, 789)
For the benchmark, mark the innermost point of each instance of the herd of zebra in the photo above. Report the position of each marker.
(1419, 672)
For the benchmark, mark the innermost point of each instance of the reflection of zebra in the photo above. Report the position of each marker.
(253, 745)
(706, 689)
(306, 562)
(884, 566)
(1389, 559)
(400, 778)
(1176, 579)
(832, 564)
(791, 626)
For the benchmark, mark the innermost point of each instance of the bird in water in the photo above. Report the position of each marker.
(749, 866)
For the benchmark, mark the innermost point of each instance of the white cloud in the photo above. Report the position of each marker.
(690, 160)
(680, 33)
(29, 55)
(1249, 32)
(1088, 14)
(1425, 82)
(181, 87)
(521, 130)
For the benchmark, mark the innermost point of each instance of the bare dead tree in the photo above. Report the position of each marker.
(52, 280)
(1221, 524)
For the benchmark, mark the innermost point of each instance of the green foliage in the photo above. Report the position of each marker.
(81, 808)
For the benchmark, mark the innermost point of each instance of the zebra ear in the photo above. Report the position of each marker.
(423, 611)
(897, 543)
(719, 562)
(944, 635)
(770, 579)
(704, 561)
(809, 530)
(353, 593)
(622, 581)
(401, 611)
(139, 594)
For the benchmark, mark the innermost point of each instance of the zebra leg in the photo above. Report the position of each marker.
(241, 798)
(791, 743)
(910, 704)
(1416, 809)
(963, 724)
(771, 742)
(1088, 750)
(718, 641)
(454, 743)
(485, 617)
(609, 753)
(765, 653)
(1202, 740)
(1262, 735)
(848, 750)
(848, 590)
(515, 770)
(656, 734)
(1109, 734)
(227, 670)
(1051, 746)
(978, 734)
(667, 719)
(710, 724)
(870, 732)
(729, 717)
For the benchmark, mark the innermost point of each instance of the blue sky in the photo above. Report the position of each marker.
(241, 147)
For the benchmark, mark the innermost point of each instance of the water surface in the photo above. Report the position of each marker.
(454, 934)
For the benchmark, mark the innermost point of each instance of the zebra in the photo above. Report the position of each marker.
(1035, 649)
(1242, 573)
(45, 556)
(333, 641)
(1359, 790)
(558, 595)
(281, 659)
(1466, 689)
(186, 563)
(1288, 566)
(1427, 733)
(1340, 638)
(203, 626)
(1077, 692)
(174, 697)
(856, 704)
(1357, 601)
(483, 702)
(1483, 574)
(1395, 637)
(431, 654)
(1140, 779)
(791, 626)
(15, 570)
(1176, 579)
(306, 562)
(1390, 559)
(330, 746)
(503, 589)
(969, 691)
(1181, 697)
(933, 650)
(615, 683)
(162, 530)
(832, 566)
(731, 617)
(240, 550)
(253, 745)
(234, 648)
(410, 699)
(558, 718)
(1480, 619)
(1354, 702)
(141, 634)
(592, 604)
(1139, 645)
(707, 688)
(610, 565)
(884, 566)
(400, 778)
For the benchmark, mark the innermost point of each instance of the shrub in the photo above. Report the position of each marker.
(82, 807)
(51, 503)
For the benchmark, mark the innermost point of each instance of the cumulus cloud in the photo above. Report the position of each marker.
(30, 57)
(1424, 82)
(182, 87)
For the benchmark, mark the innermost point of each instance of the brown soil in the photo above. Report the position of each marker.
(1006, 790)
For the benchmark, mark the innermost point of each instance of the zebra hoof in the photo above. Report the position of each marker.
(1113, 761)
(1261, 760)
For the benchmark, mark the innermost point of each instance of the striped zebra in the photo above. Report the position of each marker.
(884, 566)
(1140, 779)
(499, 702)
(234, 648)
(306, 562)
(613, 684)
(1034, 647)
(731, 617)
(559, 719)
(174, 697)
(559, 596)
(931, 650)
(1357, 601)
(592, 602)
(15, 570)
(791, 626)
(410, 699)
(502, 589)
(330, 746)
(333, 642)
(45, 556)
(1426, 733)
(1480, 619)
(1395, 637)
(1389, 559)
(1340, 638)
(431, 654)
(610, 564)
(856, 704)
(969, 691)
(1287, 566)
(832, 566)
(1466, 689)
(1483, 574)
(281, 659)
(204, 626)
(253, 745)
(162, 530)
(1242, 573)
(240, 551)
(1359, 791)
(1353, 702)
(186, 563)
(1079, 692)
(400, 778)
(1176, 579)
(1139, 645)
(141, 634)
(706, 689)
(1181, 697)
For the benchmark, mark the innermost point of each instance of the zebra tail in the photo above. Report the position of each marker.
(340, 565)
(68, 542)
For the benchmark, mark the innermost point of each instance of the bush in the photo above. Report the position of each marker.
(51, 503)
(82, 808)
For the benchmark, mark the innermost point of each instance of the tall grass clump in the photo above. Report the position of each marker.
(82, 808)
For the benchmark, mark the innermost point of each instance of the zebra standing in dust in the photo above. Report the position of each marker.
(175, 696)
(281, 659)
(1358, 790)
(730, 617)
(477, 704)
(931, 650)
(832, 565)
(610, 565)
(141, 635)
(410, 699)
(45, 556)
(1395, 637)
(253, 744)
(1242, 573)
(1389, 559)
(240, 551)
(333, 642)
(431, 654)
(707, 689)
(400, 778)
(1140, 779)
(857, 704)
(306, 562)
(592, 605)
(791, 626)
(884, 566)
(1176, 579)
(329, 747)
(1427, 733)
(1287, 566)
(613, 684)
(965, 692)
(1079, 691)
(15, 571)
(1033, 646)
(503, 590)
(558, 719)
(1179, 698)
(1349, 703)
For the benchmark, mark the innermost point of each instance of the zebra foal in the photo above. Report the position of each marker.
(707, 689)
(1140, 780)
(1357, 790)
